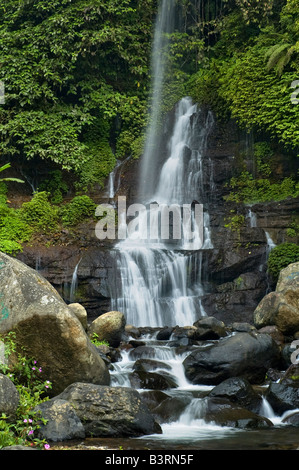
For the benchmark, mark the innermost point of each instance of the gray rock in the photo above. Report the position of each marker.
(46, 327)
(80, 313)
(110, 411)
(109, 327)
(281, 308)
(62, 422)
(9, 397)
(292, 419)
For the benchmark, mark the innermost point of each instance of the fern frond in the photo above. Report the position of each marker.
(277, 54)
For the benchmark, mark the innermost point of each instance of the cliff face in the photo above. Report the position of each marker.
(234, 272)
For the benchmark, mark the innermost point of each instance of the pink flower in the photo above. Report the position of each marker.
(46, 446)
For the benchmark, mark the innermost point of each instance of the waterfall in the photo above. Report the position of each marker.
(267, 410)
(252, 218)
(159, 279)
(74, 283)
(114, 178)
(270, 243)
(164, 26)
(159, 283)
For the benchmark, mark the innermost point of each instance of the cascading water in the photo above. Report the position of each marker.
(74, 282)
(159, 283)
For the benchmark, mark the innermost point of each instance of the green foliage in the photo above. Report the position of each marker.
(278, 56)
(63, 64)
(259, 99)
(281, 256)
(255, 11)
(263, 155)
(13, 230)
(39, 213)
(100, 158)
(248, 190)
(94, 339)
(28, 378)
(250, 68)
(78, 209)
(235, 222)
(55, 185)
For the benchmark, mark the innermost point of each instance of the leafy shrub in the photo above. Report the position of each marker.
(281, 256)
(13, 232)
(55, 186)
(77, 210)
(39, 213)
(28, 378)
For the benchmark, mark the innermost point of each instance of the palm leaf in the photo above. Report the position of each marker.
(5, 167)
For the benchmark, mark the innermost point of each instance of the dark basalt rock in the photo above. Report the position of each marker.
(244, 354)
(239, 391)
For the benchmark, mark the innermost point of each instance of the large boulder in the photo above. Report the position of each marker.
(283, 397)
(109, 327)
(239, 391)
(110, 411)
(281, 308)
(46, 328)
(61, 421)
(248, 355)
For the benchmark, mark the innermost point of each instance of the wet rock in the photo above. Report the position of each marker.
(183, 336)
(239, 391)
(209, 328)
(142, 351)
(170, 409)
(224, 413)
(148, 365)
(291, 375)
(135, 343)
(244, 354)
(164, 334)
(292, 419)
(153, 398)
(110, 411)
(132, 331)
(152, 380)
(283, 397)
